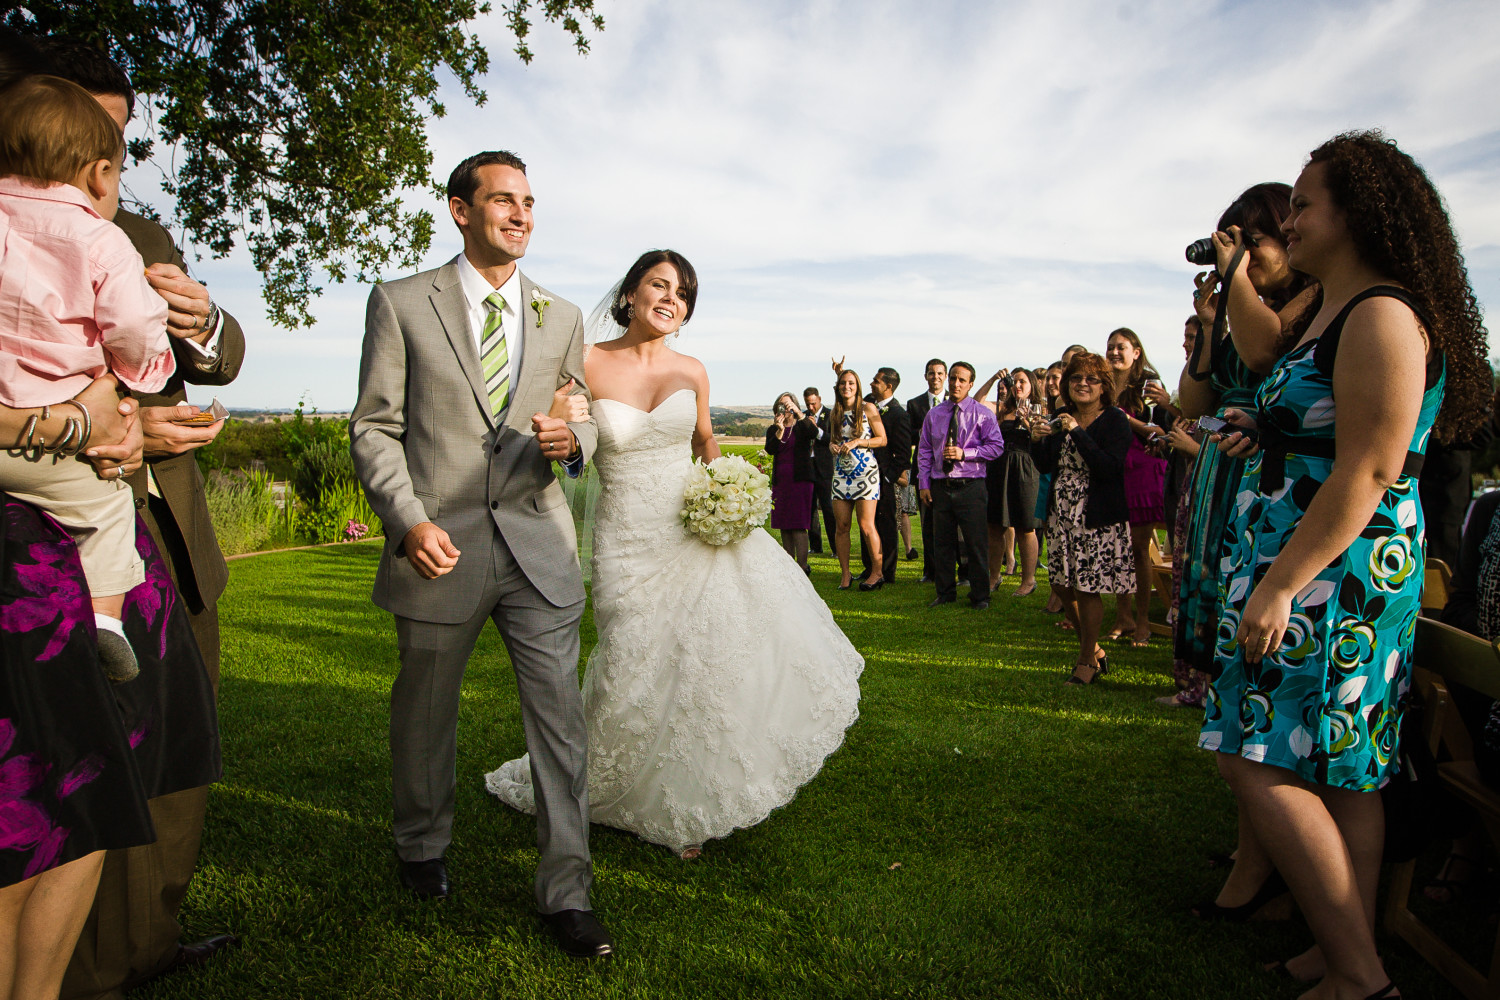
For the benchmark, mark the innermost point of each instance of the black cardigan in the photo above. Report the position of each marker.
(1103, 445)
(804, 436)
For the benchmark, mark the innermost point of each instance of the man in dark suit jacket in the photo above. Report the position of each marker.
(822, 471)
(132, 933)
(917, 408)
(894, 461)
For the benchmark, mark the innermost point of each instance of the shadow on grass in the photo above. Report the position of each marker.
(984, 832)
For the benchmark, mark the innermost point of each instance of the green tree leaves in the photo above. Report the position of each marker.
(296, 125)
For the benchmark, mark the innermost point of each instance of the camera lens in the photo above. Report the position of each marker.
(1201, 252)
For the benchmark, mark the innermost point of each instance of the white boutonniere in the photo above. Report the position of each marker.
(539, 304)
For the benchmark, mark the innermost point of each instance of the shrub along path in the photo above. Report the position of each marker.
(984, 832)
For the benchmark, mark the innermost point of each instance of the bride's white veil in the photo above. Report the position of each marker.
(601, 325)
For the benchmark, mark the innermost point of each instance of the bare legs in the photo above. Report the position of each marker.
(795, 543)
(843, 513)
(1131, 615)
(1001, 560)
(865, 511)
(39, 924)
(1326, 842)
(1086, 612)
(1026, 541)
(903, 525)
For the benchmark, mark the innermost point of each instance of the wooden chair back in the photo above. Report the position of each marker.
(1436, 585)
(1445, 656)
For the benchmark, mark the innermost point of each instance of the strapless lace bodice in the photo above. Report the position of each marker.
(643, 460)
(720, 682)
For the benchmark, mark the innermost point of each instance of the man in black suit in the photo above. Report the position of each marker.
(822, 471)
(894, 461)
(917, 408)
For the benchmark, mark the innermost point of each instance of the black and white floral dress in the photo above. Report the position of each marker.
(1091, 560)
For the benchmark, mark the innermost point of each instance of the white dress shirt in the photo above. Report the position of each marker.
(477, 288)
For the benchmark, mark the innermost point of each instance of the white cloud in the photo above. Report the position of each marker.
(896, 179)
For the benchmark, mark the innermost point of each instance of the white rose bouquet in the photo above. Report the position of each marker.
(725, 500)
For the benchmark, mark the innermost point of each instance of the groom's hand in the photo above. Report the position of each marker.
(553, 436)
(430, 550)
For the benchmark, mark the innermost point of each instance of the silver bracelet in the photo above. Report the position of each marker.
(88, 425)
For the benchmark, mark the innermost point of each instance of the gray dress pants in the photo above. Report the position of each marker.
(542, 640)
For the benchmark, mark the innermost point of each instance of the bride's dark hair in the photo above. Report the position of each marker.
(686, 277)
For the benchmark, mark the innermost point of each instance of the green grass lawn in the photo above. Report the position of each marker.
(984, 832)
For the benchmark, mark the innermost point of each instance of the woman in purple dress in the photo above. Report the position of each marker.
(1138, 391)
(789, 441)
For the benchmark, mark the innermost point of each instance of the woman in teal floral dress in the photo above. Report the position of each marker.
(1323, 576)
(1267, 308)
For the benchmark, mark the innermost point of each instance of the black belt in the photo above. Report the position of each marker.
(1275, 446)
(954, 482)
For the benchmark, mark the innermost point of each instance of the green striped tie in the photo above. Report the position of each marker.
(494, 358)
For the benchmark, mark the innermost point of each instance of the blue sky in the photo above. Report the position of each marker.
(896, 180)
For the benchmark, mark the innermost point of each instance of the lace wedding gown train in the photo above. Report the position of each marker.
(720, 682)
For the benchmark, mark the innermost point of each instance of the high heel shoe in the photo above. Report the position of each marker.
(1272, 887)
(866, 586)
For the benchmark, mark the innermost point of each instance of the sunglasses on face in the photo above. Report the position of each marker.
(1084, 380)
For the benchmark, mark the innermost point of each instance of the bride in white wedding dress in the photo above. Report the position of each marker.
(720, 682)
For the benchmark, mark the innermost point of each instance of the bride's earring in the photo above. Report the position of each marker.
(630, 310)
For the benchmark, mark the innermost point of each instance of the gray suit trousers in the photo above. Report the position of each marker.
(542, 640)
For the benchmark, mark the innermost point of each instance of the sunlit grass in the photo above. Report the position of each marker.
(984, 832)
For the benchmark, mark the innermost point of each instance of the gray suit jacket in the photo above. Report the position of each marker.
(426, 448)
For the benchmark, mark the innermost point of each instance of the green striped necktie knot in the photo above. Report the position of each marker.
(494, 357)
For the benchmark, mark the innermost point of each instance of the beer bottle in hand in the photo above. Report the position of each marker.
(948, 463)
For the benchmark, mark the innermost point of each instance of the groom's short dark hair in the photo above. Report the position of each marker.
(464, 180)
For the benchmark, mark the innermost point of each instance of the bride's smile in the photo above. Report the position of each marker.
(660, 302)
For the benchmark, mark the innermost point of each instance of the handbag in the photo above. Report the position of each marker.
(906, 496)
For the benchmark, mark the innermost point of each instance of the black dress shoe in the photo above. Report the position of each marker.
(427, 879)
(940, 600)
(979, 605)
(190, 956)
(579, 933)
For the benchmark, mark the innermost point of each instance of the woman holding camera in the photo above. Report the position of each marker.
(789, 442)
(1088, 527)
(1012, 479)
(1324, 575)
(1139, 392)
(1268, 306)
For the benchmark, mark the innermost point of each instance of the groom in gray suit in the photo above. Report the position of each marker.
(453, 441)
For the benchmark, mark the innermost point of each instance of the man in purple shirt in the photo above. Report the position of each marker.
(960, 438)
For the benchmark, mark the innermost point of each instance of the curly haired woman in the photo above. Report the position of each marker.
(1323, 584)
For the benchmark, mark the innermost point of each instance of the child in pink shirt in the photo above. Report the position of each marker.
(74, 303)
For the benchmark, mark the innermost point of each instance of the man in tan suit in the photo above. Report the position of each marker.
(132, 933)
(453, 441)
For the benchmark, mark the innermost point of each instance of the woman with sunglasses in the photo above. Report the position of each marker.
(1088, 524)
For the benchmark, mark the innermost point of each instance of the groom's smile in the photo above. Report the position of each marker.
(497, 223)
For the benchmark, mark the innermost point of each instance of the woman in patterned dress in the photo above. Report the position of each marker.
(857, 431)
(1088, 530)
(1322, 584)
(1268, 308)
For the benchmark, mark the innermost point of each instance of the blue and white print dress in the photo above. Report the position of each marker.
(1327, 703)
(855, 475)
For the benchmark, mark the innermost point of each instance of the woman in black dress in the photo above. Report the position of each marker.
(1012, 480)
